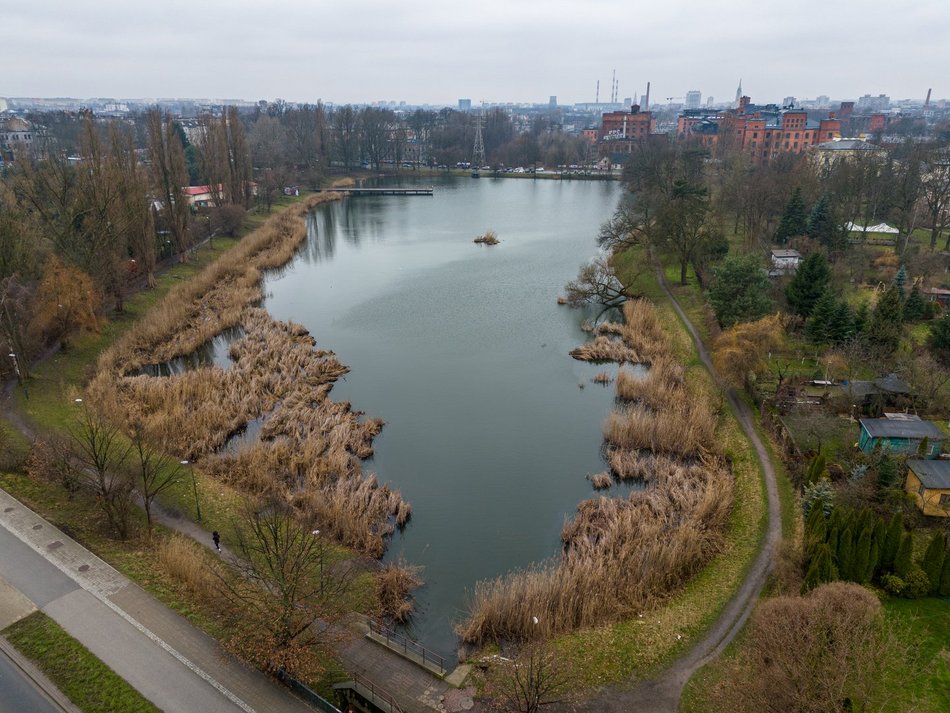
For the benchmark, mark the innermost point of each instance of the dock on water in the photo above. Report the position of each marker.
(359, 191)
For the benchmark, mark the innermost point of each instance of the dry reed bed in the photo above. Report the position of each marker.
(623, 555)
(310, 447)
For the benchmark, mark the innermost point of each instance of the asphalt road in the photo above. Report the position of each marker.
(18, 693)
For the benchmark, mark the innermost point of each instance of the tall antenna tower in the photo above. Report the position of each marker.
(613, 87)
(478, 155)
(597, 95)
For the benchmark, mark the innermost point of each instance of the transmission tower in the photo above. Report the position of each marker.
(478, 155)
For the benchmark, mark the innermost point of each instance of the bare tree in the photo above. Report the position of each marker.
(155, 470)
(290, 590)
(935, 185)
(597, 283)
(538, 677)
(100, 453)
(169, 174)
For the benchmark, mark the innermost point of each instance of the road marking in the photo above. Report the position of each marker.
(94, 591)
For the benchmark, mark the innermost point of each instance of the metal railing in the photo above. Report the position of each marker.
(412, 650)
(379, 697)
(307, 693)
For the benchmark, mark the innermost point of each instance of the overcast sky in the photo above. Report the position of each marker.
(423, 51)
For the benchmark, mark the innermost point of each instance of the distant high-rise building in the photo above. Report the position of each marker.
(868, 104)
(710, 101)
(789, 102)
(823, 101)
(552, 102)
(694, 99)
(627, 102)
(465, 104)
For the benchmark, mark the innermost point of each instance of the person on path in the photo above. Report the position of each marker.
(217, 540)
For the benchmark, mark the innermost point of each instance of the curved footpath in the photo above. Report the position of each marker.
(662, 694)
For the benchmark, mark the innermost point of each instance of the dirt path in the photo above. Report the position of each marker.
(662, 694)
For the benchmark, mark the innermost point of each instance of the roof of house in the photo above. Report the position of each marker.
(847, 145)
(932, 473)
(196, 190)
(893, 384)
(785, 253)
(892, 428)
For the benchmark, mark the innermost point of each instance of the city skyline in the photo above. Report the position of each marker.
(367, 51)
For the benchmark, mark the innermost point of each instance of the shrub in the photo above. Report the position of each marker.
(892, 584)
(916, 583)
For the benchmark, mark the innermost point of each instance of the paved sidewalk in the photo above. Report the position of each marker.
(160, 654)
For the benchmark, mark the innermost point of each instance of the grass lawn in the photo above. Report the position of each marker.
(641, 646)
(83, 678)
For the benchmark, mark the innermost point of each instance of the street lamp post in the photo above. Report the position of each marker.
(19, 376)
(194, 487)
(316, 533)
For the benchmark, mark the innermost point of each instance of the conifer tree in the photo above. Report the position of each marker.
(944, 589)
(821, 316)
(877, 543)
(932, 563)
(821, 224)
(892, 542)
(887, 321)
(845, 554)
(794, 221)
(939, 340)
(887, 472)
(900, 282)
(862, 558)
(815, 531)
(862, 316)
(904, 558)
(821, 570)
(915, 308)
(811, 279)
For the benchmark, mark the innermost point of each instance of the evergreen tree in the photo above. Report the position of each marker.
(818, 495)
(841, 325)
(862, 558)
(904, 558)
(915, 308)
(794, 221)
(944, 589)
(822, 314)
(939, 341)
(821, 570)
(877, 543)
(815, 532)
(845, 554)
(874, 557)
(811, 280)
(932, 563)
(816, 469)
(900, 282)
(740, 292)
(862, 316)
(887, 472)
(892, 542)
(887, 322)
(821, 224)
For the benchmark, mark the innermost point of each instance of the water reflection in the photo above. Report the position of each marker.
(214, 352)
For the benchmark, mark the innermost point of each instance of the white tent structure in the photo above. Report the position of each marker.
(879, 228)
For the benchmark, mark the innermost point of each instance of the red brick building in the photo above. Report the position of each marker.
(620, 131)
(761, 131)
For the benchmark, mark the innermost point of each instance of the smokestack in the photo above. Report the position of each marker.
(613, 82)
(646, 99)
(617, 92)
(927, 102)
(597, 96)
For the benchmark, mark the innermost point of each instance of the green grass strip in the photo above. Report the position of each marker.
(83, 678)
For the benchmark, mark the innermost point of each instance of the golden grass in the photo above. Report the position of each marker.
(310, 447)
(394, 584)
(603, 348)
(601, 481)
(185, 562)
(602, 377)
(622, 556)
(489, 238)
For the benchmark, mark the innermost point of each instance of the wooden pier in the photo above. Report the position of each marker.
(359, 191)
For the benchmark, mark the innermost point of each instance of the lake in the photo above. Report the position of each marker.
(491, 427)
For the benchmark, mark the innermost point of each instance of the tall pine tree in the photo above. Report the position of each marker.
(846, 554)
(861, 571)
(794, 219)
(811, 280)
(887, 321)
(892, 542)
(821, 570)
(821, 224)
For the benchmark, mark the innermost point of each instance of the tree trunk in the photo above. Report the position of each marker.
(683, 265)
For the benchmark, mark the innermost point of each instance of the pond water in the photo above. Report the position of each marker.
(463, 351)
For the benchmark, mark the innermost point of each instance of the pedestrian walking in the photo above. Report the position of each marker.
(217, 540)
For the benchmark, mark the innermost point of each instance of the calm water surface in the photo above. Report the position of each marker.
(463, 351)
